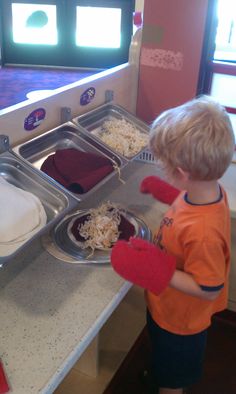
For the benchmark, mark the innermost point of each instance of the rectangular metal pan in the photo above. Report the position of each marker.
(55, 201)
(92, 121)
(66, 136)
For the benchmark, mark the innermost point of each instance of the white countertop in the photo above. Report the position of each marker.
(229, 183)
(51, 310)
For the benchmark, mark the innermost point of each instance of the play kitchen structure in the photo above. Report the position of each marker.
(63, 279)
(55, 296)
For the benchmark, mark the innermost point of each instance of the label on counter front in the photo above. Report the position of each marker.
(87, 96)
(34, 119)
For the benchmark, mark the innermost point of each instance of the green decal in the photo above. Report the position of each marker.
(152, 34)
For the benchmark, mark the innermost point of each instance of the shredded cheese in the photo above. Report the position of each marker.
(117, 169)
(122, 136)
(101, 229)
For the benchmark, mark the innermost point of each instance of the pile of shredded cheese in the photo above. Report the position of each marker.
(122, 136)
(100, 230)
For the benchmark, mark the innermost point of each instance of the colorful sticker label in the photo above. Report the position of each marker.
(162, 58)
(34, 119)
(87, 96)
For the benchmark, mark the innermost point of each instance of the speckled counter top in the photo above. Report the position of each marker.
(51, 310)
(229, 183)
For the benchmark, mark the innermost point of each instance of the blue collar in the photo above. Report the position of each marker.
(209, 203)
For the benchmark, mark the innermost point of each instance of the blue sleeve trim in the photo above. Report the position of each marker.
(212, 288)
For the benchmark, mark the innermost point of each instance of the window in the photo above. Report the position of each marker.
(104, 27)
(226, 31)
(34, 24)
(74, 33)
(223, 70)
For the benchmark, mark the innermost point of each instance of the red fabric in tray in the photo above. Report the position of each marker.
(126, 228)
(77, 171)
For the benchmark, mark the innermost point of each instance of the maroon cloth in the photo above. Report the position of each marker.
(125, 227)
(77, 171)
(143, 264)
(159, 189)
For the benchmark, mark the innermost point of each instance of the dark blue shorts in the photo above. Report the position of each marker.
(177, 360)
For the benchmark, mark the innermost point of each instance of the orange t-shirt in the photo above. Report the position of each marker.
(199, 237)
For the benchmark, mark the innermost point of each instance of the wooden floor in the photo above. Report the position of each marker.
(219, 369)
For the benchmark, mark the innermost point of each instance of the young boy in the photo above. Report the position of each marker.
(185, 272)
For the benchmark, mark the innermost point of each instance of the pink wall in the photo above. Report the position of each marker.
(173, 32)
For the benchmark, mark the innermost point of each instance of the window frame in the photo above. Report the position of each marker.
(66, 53)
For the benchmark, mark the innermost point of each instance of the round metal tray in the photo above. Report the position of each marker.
(64, 243)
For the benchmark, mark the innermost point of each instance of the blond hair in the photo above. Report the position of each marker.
(196, 136)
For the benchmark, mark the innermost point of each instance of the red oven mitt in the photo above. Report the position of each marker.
(4, 388)
(160, 190)
(143, 264)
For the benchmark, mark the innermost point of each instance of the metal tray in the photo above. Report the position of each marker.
(66, 136)
(63, 242)
(57, 203)
(92, 121)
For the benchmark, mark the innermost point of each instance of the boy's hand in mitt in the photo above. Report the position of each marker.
(143, 264)
(160, 190)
